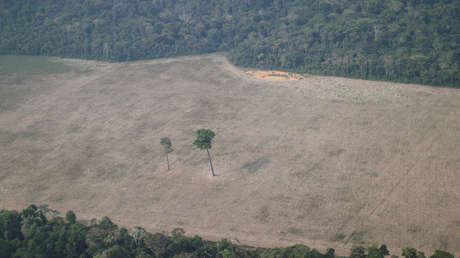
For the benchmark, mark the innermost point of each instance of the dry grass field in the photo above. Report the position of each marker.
(324, 161)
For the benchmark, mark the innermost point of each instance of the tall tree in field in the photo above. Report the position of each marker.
(167, 147)
(203, 141)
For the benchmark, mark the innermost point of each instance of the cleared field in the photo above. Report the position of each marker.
(31, 65)
(324, 161)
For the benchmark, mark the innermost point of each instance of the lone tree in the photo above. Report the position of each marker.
(167, 147)
(203, 141)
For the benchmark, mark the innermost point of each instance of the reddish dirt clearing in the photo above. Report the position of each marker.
(275, 75)
(324, 161)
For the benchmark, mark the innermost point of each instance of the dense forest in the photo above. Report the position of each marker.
(398, 40)
(39, 232)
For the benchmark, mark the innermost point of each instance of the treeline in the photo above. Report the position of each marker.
(399, 40)
(39, 232)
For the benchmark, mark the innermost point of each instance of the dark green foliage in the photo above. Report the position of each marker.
(115, 252)
(410, 252)
(107, 224)
(374, 252)
(357, 252)
(441, 254)
(10, 225)
(204, 138)
(204, 141)
(384, 250)
(29, 234)
(330, 253)
(70, 217)
(167, 145)
(5, 248)
(36, 236)
(408, 41)
(295, 251)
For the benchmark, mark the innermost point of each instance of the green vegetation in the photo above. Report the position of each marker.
(340, 236)
(204, 142)
(14, 90)
(410, 252)
(357, 236)
(38, 232)
(10, 64)
(399, 40)
(441, 254)
(167, 147)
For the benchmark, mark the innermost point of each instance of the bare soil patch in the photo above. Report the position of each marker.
(324, 161)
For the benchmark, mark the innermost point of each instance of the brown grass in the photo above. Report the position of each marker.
(297, 161)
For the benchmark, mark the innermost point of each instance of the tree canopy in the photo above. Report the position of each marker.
(167, 148)
(167, 145)
(400, 40)
(35, 232)
(204, 139)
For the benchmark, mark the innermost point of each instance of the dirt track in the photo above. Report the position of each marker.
(297, 161)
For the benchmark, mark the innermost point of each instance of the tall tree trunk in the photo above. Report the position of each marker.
(167, 160)
(210, 163)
